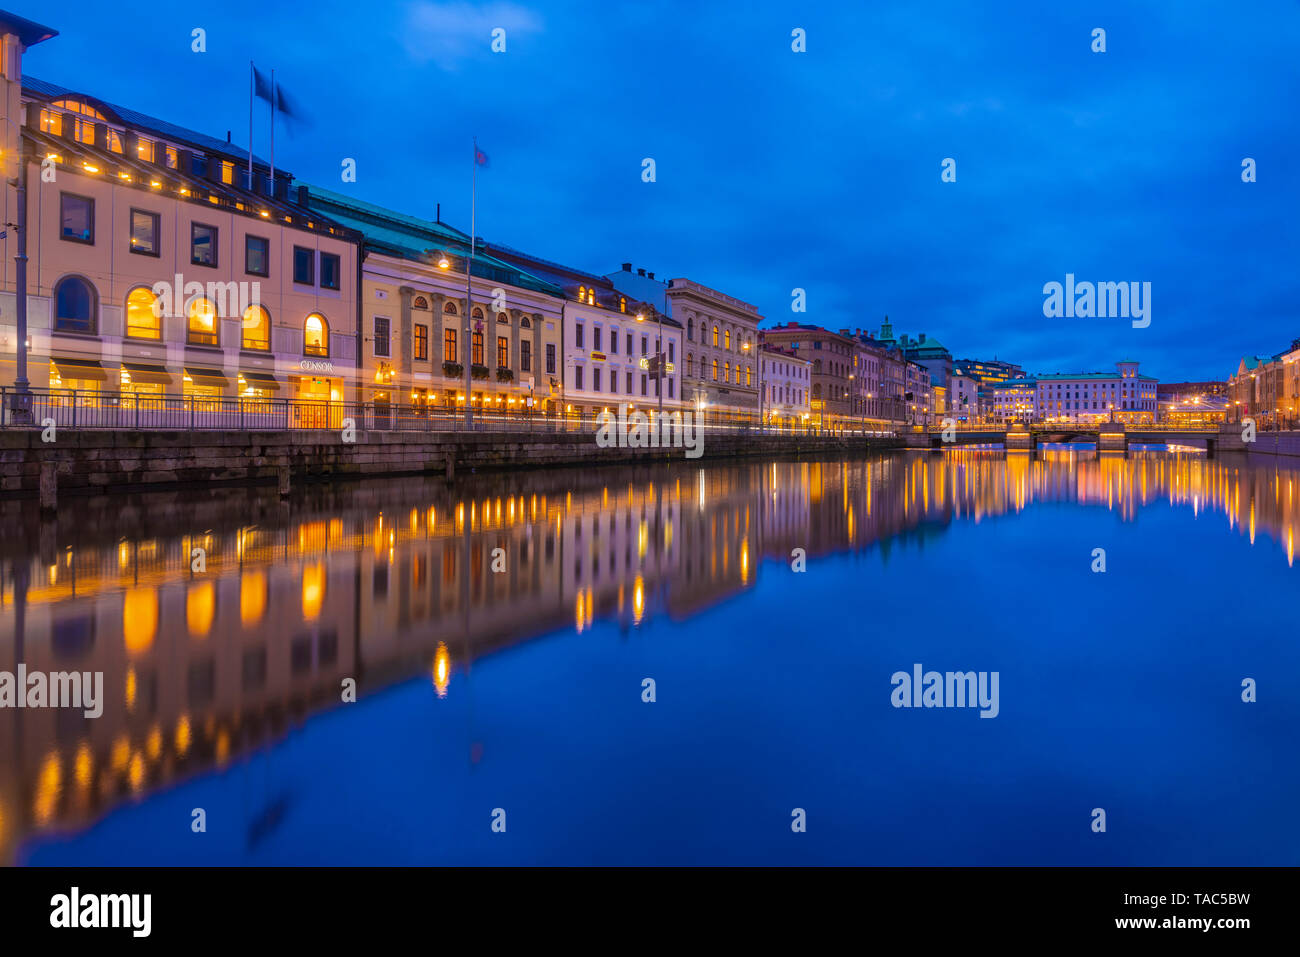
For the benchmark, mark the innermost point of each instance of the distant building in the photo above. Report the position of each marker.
(1120, 396)
(963, 398)
(1014, 400)
(989, 371)
(831, 358)
(1267, 389)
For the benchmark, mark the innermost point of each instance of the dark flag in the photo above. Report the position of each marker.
(480, 158)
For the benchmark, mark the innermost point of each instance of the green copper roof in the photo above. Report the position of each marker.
(388, 231)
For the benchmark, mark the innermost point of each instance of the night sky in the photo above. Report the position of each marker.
(777, 169)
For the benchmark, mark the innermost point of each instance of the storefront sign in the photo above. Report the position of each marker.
(316, 365)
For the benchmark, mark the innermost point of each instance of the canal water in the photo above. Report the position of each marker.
(503, 634)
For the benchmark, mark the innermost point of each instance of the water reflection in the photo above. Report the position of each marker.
(221, 618)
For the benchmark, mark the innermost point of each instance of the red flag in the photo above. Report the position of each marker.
(480, 158)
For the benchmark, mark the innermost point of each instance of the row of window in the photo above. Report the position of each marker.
(382, 342)
(579, 376)
(597, 339)
(721, 337)
(77, 225)
(730, 375)
(76, 309)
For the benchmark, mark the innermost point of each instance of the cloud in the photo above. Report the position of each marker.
(450, 33)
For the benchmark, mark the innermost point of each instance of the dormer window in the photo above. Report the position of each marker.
(582, 294)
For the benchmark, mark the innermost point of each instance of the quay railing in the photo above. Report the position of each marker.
(129, 411)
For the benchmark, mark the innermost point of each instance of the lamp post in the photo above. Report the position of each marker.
(20, 407)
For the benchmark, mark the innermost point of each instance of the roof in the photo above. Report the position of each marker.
(128, 117)
(1080, 376)
(29, 32)
(409, 237)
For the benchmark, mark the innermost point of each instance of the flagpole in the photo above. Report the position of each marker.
(251, 85)
(469, 293)
(272, 133)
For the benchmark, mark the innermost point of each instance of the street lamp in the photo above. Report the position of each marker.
(659, 363)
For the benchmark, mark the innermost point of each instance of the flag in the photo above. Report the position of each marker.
(274, 94)
(261, 85)
(480, 158)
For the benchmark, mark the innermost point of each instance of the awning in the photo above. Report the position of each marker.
(81, 369)
(148, 375)
(260, 380)
(206, 377)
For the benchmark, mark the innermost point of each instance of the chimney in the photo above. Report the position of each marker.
(922, 338)
(227, 136)
(627, 267)
(302, 195)
(650, 275)
(640, 272)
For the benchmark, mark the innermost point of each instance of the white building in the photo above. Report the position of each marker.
(786, 381)
(1012, 401)
(964, 398)
(1124, 395)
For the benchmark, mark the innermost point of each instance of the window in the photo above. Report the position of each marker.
(74, 306)
(449, 308)
(577, 335)
(643, 383)
(671, 351)
(595, 380)
(525, 356)
(628, 381)
(715, 337)
(476, 349)
(329, 271)
(203, 245)
(257, 256)
(316, 335)
(83, 131)
(629, 343)
(52, 122)
(202, 327)
(577, 377)
(381, 337)
(622, 304)
(173, 158)
(726, 372)
(715, 370)
(76, 218)
(227, 172)
(449, 345)
(503, 352)
(421, 341)
(304, 266)
(595, 338)
(145, 149)
(256, 331)
(144, 232)
(690, 330)
(550, 358)
(613, 342)
(142, 322)
(727, 339)
(645, 347)
(613, 380)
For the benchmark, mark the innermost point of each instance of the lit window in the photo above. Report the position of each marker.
(52, 122)
(142, 319)
(449, 345)
(202, 328)
(316, 336)
(227, 172)
(145, 149)
(115, 141)
(256, 329)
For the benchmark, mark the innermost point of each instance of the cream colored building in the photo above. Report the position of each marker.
(155, 266)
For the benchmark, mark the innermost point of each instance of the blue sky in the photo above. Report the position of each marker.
(775, 169)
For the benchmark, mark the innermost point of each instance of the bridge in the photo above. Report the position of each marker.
(1107, 436)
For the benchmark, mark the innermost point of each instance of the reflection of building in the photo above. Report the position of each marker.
(384, 581)
(259, 297)
(1121, 396)
(414, 345)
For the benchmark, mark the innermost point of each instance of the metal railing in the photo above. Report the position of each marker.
(130, 411)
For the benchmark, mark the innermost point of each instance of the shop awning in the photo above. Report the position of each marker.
(80, 369)
(207, 377)
(147, 375)
(260, 380)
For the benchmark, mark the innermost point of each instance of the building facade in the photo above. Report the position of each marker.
(414, 345)
(1012, 401)
(832, 370)
(1121, 396)
(156, 266)
(787, 381)
(963, 398)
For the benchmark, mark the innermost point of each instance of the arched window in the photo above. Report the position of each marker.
(715, 370)
(143, 320)
(257, 329)
(690, 364)
(726, 372)
(420, 303)
(316, 336)
(727, 339)
(715, 337)
(477, 313)
(690, 330)
(817, 367)
(622, 303)
(502, 317)
(202, 327)
(75, 305)
(449, 308)
(591, 297)
(582, 294)
(817, 390)
(525, 323)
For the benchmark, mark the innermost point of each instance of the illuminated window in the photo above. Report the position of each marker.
(591, 297)
(715, 370)
(52, 122)
(421, 341)
(142, 321)
(76, 106)
(449, 308)
(622, 304)
(449, 345)
(202, 327)
(227, 172)
(173, 158)
(316, 336)
(715, 338)
(477, 313)
(582, 294)
(145, 149)
(256, 329)
(726, 372)
(727, 339)
(83, 131)
(115, 141)
(477, 358)
(503, 351)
